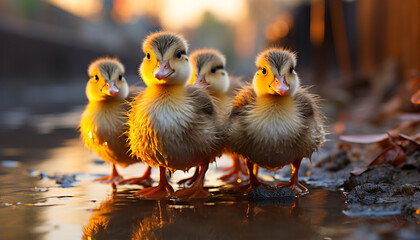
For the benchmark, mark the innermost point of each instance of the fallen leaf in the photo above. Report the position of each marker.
(410, 139)
(415, 117)
(393, 155)
(359, 171)
(369, 138)
(416, 97)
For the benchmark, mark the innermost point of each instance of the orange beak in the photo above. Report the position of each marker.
(164, 70)
(280, 86)
(200, 81)
(110, 89)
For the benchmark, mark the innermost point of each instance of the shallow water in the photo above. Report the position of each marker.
(47, 192)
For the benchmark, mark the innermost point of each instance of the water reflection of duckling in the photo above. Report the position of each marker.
(172, 125)
(276, 122)
(209, 72)
(102, 124)
(122, 217)
(118, 216)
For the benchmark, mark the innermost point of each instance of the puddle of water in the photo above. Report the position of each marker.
(47, 193)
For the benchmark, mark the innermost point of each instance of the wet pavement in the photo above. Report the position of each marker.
(47, 192)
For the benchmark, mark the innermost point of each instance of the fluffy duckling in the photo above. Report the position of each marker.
(276, 122)
(102, 124)
(209, 72)
(172, 125)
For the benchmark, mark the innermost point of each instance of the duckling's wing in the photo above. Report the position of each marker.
(308, 107)
(202, 101)
(243, 100)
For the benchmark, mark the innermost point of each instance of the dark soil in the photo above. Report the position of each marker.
(386, 190)
(332, 171)
(381, 190)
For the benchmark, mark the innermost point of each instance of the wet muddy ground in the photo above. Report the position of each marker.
(47, 192)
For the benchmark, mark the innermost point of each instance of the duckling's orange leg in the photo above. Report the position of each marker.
(252, 173)
(294, 184)
(253, 179)
(191, 180)
(237, 172)
(144, 180)
(162, 190)
(196, 190)
(113, 178)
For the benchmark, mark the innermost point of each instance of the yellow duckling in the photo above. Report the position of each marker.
(102, 125)
(276, 122)
(172, 125)
(209, 73)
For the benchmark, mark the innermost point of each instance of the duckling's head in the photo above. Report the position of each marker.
(106, 80)
(276, 73)
(209, 70)
(166, 60)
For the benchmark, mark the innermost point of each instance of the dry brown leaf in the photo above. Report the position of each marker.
(416, 98)
(393, 155)
(366, 139)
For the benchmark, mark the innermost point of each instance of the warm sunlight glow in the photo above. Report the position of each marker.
(415, 99)
(176, 15)
(82, 8)
(279, 28)
(317, 22)
(189, 13)
(245, 35)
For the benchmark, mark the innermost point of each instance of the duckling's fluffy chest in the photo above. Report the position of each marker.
(273, 121)
(169, 113)
(102, 129)
(271, 133)
(166, 129)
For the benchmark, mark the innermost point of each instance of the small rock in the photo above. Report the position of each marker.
(99, 161)
(263, 196)
(9, 163)
(66, 180)
(37, 173)
(39, 189)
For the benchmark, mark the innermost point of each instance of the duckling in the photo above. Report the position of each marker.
(172, 125)
(102, 123)
(276, 122)
(209, 72)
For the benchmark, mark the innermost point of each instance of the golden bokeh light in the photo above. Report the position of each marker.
(279, 28)
(173, 15)
(176, 15)
(317, 22)
(88, 9)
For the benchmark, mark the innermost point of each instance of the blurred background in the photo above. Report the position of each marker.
(347, 49)
(362, 57)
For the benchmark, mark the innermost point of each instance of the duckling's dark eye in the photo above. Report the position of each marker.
(178, 54)
(120, 77)
(148, 55)
(264, 71)
(213, 70)
(291, 70)
(96, 77)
